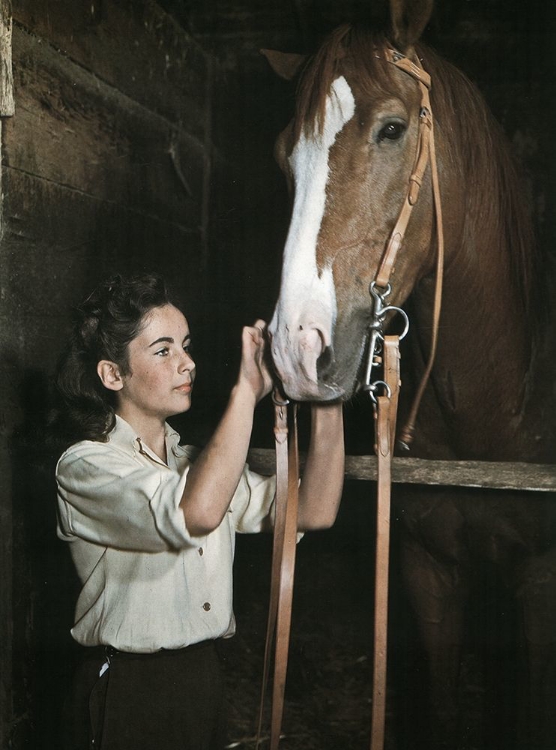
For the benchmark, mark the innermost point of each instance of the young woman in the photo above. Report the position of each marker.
(151, 524)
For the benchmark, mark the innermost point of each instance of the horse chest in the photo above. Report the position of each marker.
(461, 527)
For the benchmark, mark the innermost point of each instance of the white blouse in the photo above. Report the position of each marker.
(147, 584)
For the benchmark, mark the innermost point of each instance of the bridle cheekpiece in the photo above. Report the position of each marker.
(380, 288)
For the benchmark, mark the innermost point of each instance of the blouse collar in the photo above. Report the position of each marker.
(124, 436)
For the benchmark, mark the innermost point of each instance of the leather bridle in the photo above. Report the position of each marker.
(379, 289)
(383, 351)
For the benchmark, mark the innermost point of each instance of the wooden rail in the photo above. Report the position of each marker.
(479, 474)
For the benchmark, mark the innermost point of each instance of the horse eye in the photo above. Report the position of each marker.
(392, 131)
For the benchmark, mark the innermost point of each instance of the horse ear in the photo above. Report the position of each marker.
(409, 18)
(284, 64)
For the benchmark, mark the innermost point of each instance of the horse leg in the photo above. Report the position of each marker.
(438, 590)
(536, 593)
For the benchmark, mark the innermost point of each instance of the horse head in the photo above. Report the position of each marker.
(347, 155)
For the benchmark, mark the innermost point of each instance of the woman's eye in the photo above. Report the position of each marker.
(162, 352)
(391, 131)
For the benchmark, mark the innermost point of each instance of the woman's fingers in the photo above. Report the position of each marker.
(254, 366)
(260, 326)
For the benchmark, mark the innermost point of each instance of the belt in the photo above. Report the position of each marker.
(112, 652)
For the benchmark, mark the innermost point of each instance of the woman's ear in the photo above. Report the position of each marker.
(109, 374)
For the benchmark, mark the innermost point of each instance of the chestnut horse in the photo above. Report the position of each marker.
(347, 156)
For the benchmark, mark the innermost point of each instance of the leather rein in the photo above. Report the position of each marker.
(383, 351)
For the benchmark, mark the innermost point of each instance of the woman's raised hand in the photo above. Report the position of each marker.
(253, 370)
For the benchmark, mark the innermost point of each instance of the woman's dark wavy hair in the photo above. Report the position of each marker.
(104, 325)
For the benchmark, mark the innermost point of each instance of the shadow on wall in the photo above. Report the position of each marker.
(44, 581)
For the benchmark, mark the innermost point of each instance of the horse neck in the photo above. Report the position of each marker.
(484, 350)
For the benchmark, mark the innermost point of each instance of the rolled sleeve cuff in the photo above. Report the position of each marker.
(253, 502)
(168, 516)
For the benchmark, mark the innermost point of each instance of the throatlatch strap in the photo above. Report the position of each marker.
(406, 435)
(283, 568)
(385, 434)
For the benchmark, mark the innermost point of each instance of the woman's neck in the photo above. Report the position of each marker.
(151, 431)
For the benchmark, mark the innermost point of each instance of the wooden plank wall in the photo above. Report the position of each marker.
(105, 167)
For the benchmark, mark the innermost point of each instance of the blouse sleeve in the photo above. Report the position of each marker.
(107, 498)
(253, 504)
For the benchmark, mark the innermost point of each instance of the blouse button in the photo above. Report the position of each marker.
(206, 606)
(201, 552)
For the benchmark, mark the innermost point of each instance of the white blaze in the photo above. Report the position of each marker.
(307, 299)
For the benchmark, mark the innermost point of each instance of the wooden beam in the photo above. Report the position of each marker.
(121, 152)
(479, 474)
(136, 48)
(7, 107)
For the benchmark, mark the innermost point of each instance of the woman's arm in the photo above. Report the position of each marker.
(214, 476)
(323, 478)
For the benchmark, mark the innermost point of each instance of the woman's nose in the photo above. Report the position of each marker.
(186, 363)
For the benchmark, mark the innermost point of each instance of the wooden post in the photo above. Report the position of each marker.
(7, 106)
(6, 705)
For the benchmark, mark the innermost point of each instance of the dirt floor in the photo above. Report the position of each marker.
(328, 691)
(328, 695)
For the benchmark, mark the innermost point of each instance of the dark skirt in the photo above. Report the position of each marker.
(169, 700)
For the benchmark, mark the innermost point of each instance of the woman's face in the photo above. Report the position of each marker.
(161, 372)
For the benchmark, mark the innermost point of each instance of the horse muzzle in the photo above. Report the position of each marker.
(304, 362)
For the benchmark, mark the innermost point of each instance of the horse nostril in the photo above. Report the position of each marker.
(311, 341)
(324, 362)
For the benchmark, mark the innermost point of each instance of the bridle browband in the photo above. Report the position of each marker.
(380, 288)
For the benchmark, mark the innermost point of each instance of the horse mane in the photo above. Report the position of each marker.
(497, 210)
(498, 207)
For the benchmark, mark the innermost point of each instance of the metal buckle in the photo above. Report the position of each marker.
(380, 310)
(376, 329)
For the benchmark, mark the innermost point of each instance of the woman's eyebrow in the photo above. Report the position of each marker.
(165, 339)
(169, 340)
